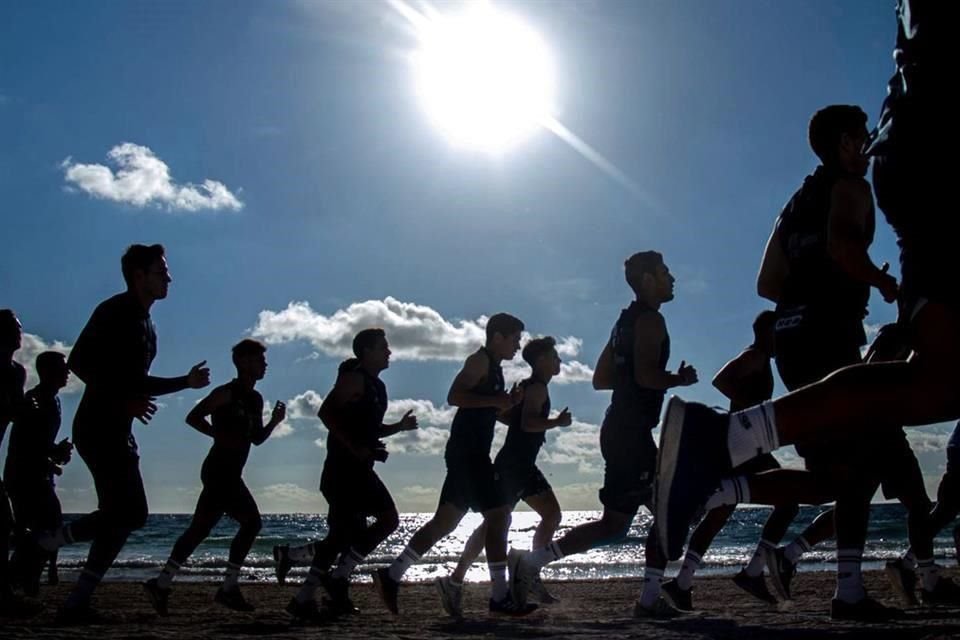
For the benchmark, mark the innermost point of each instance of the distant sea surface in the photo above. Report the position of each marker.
(147, 549)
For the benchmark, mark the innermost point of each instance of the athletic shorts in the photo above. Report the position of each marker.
(520, 484)
(356, 489)
(471, 484)
(766, 462)
(805, 355)
(35, 504)
(630, 466)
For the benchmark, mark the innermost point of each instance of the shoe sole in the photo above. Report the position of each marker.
(383, 596)
(673, 602)
(670, 438)
(445, 599)
(775, 576)
(905, 597)
(153, 601)
(766, 598)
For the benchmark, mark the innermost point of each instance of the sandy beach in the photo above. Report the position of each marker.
(593, 609)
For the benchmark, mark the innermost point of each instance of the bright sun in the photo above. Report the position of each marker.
(484, 77)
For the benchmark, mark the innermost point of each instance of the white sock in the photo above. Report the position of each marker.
(795, 549)
(403, 562)
(314, 576)
(849, 580)
(651, 587)
(232, 577)
(752, 432)
(929, 574)
(303, 553)
(732, 491)
(545, 555)
(498, 580)
(755, 567)
(909, 559)
(167, 574)
(691, 562)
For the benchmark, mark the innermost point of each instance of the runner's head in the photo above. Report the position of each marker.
(763, 332)
(837, 135)
(371, 349)
(649, 277)
(145, 271)
(503, 335)
(11, 333)
(541, 354)
(52, 369)
(250, 358)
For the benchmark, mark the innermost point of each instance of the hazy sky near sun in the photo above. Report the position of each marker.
(280, 153)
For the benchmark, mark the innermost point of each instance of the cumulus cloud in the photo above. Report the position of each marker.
(140, 178)
(304, 406)
(32, 346)
(434, 427)
(283, 429)
(415, 332)
(417, 498)
(928, 440)
(578, 444)
(287, 497)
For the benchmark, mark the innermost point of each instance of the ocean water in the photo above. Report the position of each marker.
(147, 549)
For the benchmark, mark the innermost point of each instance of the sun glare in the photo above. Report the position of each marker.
(484, 77)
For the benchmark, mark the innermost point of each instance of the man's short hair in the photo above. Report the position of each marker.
(139, 257)
(829, 124)
(247, 347)
(367, 339)
(504, 324)
(536, 348)
(640, 264)
(49, 363)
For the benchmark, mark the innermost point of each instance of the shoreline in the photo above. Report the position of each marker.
(588, 609)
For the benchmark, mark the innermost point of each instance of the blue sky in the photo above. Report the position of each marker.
(332, 188)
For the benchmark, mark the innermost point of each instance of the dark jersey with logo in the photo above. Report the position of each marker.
(632, 407)
(112, 357)
(236, 425)
(471, 434)
(364, 417)
(521, 448)
(32, 438)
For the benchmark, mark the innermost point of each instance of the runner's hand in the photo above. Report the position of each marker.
(687, 374)
(279, 413)
(199, 376)
(142, 408)
(564, 419)
(408, 422)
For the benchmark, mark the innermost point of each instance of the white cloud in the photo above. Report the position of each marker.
(417, 498)
(434, 427)
(927, 440)
(32, 346)
(283, 429)
(304, 406)
(289, 498)
(415, 332)
(577, 444)
(578, 496)
(141, 179)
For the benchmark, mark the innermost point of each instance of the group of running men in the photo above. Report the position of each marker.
(845, 412)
